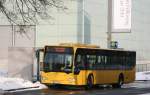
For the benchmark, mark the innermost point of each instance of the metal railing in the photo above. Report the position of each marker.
(142, 67)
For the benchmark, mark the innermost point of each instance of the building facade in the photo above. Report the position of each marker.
(85, 21)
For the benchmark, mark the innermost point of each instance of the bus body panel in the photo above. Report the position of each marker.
(57, 78)
(106, 76)
(129, 76)
(100, 77)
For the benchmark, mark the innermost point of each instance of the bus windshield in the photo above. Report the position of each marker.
(57, 61)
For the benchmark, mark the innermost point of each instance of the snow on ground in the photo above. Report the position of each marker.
(145, 94)
(10, 84)
(143, 76)
(18, 84)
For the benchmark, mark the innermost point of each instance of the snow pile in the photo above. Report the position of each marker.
(10, 84)
(143, 76)
(145, 94)
(40, 86)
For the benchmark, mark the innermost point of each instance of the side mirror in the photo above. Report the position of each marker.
(76, 71)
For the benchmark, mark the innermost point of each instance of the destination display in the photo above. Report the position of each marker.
(59, 49)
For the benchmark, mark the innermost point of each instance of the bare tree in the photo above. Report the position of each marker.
(27, 12)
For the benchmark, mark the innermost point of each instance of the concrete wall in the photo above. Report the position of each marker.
(67, 26)
(16, 52)
(96, 22)
(96, 26)
(138, 39)
(62, 28)
(20, 62)
(4, 43)
(3, 61)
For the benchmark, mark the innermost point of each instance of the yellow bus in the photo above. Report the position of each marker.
(87, 65)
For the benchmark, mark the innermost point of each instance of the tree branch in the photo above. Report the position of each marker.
(24, 12)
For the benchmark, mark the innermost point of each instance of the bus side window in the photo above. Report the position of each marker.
(91, 61)
(103, 60)
(99, 60)
(80, 61)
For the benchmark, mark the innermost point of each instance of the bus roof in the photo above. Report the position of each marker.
(88, 46)
(79, 45)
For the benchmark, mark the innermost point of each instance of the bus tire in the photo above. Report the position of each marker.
(120, 82)
(90, 82)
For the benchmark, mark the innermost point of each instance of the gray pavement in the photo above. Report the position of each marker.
(136, 88)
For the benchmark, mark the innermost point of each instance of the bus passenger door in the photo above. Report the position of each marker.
(79, 69)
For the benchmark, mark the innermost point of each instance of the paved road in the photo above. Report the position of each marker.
(137, 88)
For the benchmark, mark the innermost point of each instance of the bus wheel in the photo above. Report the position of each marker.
(120, 82)
(90, 82)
